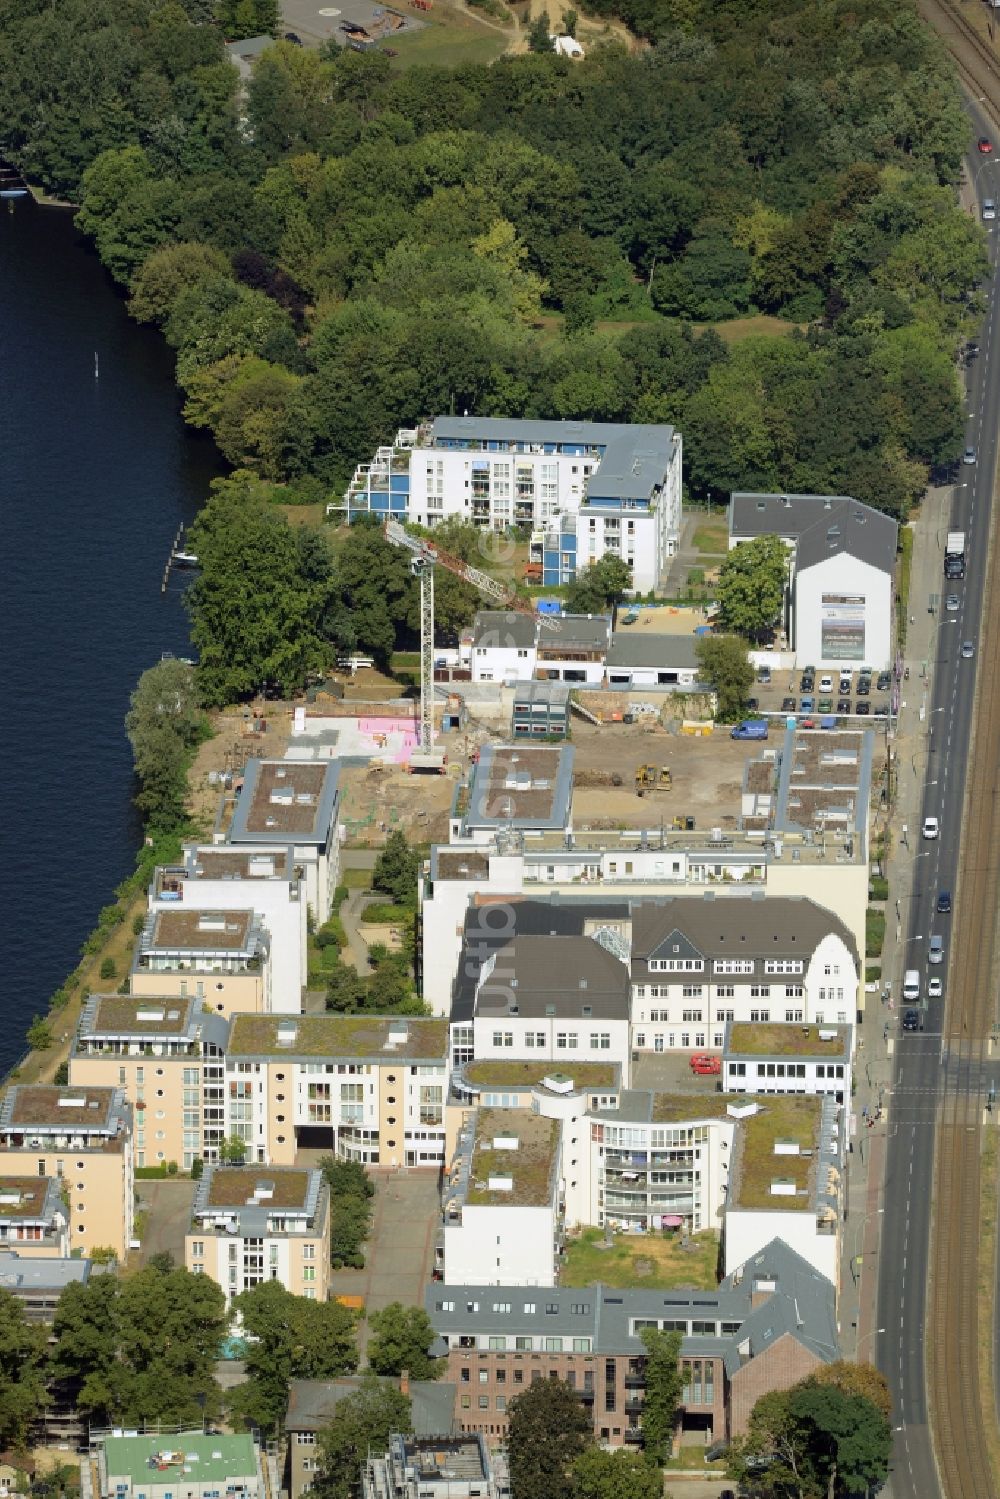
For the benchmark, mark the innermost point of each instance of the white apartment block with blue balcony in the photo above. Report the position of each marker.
(596, 487)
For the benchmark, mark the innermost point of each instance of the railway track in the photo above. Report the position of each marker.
(953, 1306)
(975, 57)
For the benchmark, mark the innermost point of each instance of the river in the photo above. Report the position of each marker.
(97, 473)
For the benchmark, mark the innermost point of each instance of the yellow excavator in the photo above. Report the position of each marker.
(652, 778)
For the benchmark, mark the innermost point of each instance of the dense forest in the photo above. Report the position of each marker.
(342, 247)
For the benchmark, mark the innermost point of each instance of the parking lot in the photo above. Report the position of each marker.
(315, 23)
(853, 694)
(670, 1072)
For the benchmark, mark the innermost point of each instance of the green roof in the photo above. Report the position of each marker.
(347, 1036)
(753, 1040)
(669, 1108)
(190, 1457)
(501, 1073)
(529, 1167)
(791, 1119)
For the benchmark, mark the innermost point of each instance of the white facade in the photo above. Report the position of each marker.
(546, 1038)
(842, 614)
(780, 1065)
(691, 1011)
(645, 1171)
(276, 900)
(514, 1246)
(748, 1232)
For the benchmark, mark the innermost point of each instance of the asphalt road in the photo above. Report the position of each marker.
(919, 1074)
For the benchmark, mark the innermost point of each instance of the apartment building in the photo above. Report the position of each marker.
(586, 488)
(34, 1218)
(82, 1137)
(249, 1226)
(514, 788)
(550, 998)
(367, 1088)
(312, 1407)
(842, 556)
(290, 804)
(786, 1181)
(502, 1200)
(435, 1467)
(266, 880)
(185, 1465)
(697, 965)
(804, 833)
(771, 1322)
(168, 1055)
(809, 1059)
(37, 1281)
(220, 958)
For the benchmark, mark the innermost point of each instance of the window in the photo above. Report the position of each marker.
(566, 1040)
(484, 1376)
(484, 1402)
(793, 1015)
(691, 1017)
(760, 991)
(761, 1016)
(553, 1345)
(523, 1345)
(723, 1015)
(497, 1345)
(640, 1039)
(600, 1041)
(198, 1249)
(501, 1402)
(691, 991)
(466, 1402)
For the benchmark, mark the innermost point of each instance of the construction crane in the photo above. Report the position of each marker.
(424, 557)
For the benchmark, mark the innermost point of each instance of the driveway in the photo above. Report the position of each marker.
(167, 1205)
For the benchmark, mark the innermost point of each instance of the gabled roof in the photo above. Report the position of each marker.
(312, 1403)
(566, 977)
(821, 526)
(733, 926)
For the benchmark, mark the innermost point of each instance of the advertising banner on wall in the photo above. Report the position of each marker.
(842, 627)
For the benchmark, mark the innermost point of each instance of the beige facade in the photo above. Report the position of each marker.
(83, 1137)
(168, 1054)
(250, 1225)
(369, 1088)
(229, 995)
(219, 958)
(34, 1218)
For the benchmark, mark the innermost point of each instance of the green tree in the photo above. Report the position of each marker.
(166, 273)
(751, 588)
(664, 1383)
(291, 1338)
(396, 870)
(400, 1338)
(165, 723)
(39, 1034)
(597, 589)
(233, 1152)
(351, 1193)
(819, 1440)
(538, 33)
(22, 1372)
(725, 665)
(599, 1474)
(570, 22)
(363, 1422)
(548, 1430)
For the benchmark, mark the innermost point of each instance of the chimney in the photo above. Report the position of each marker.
(404, 1381)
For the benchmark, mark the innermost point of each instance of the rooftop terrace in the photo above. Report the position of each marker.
(44, 1106)
(271, 1186)
(516, 1151)
(770, 1147)
(197, 931)
(347, 1036)
(126, 1015)
(214, 1458)
(27, 1197)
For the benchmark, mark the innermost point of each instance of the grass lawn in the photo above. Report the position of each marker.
(384, 913)
(652, 1260)
(734, 330)
(449, 43)
(712, 540)
(356, 879)
(874, 932)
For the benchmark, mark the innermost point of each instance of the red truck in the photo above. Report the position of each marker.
(704, 1065)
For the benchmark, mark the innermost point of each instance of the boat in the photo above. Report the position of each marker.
(184, 559)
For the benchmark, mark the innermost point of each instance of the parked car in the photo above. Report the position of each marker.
(843, 705)
(788, 705)
(808, 681)
(753, 704)
(931, 827)
(825, 705)
(884, 681)
(764, 676)
(911, 1020)
(845, 682)
(984, 144)
(806, 705)
(862, 707)
(864, 686)
(826, 684)
(704, 1065)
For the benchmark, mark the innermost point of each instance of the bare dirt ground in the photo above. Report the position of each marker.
(375, 801)
(707, 776)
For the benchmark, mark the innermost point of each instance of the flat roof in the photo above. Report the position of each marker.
(129, 1015)
(521, 786)
(162, 1459)
(667, 652)
(34, 1198)
(197, 931)
(581, 631)
(503, 1074)
(277, 1186)
(459, 863)
(39, 1274)
(221, 862)
(373, 1037)
(45, 1106)
(752, 1040)
(779, 1119)
(824, 777)
(284, 800)
(528, 1166)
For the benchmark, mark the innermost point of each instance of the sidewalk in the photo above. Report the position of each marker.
(877, 1035)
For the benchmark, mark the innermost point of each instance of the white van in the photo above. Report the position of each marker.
(911, 984)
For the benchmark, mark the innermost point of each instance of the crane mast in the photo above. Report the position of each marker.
(425, 556)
